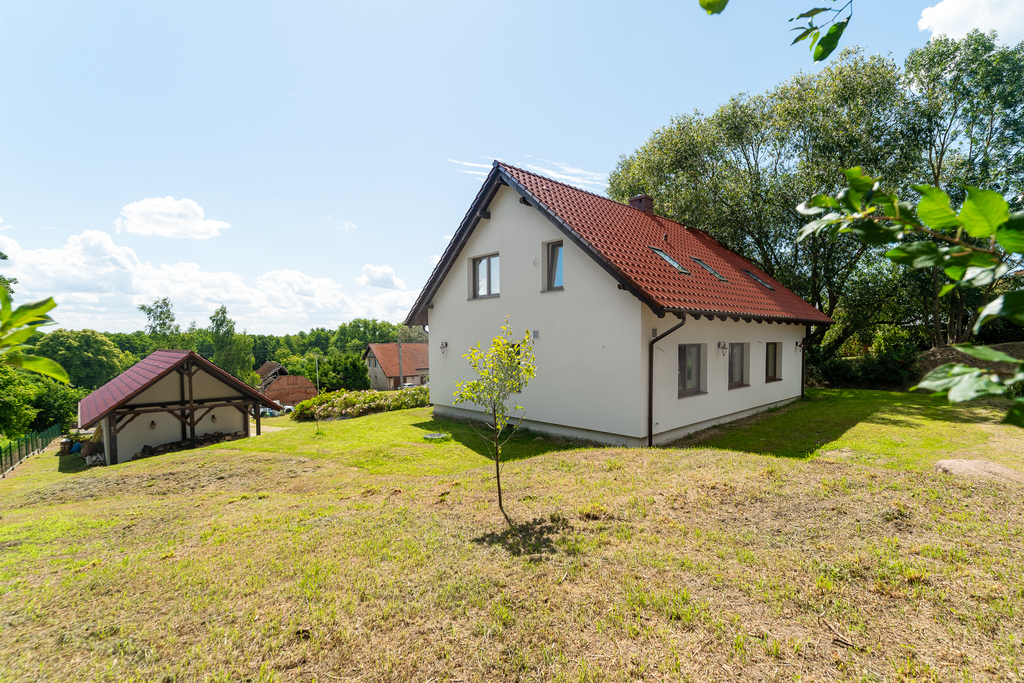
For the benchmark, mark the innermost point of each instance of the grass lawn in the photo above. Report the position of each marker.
(815, 542)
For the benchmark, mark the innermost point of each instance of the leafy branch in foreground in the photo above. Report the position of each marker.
(975, 247)
(820, 46)
(16, 326)
(503, 370)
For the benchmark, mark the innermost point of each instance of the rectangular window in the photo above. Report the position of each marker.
(689, 369)
(554, 264)
(671, 261)
(737, 365)
(708, 268)
(771, 362)
(485, 277)
(758, 279)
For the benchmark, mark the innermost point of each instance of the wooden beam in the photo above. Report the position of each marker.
(112, 437)
(184, 424)
(191, 407)
(127, 422)
(183, 404)
(257, 420)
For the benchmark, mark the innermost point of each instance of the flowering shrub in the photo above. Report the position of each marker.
(356, 403)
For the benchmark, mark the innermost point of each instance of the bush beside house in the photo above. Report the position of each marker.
(356, 403)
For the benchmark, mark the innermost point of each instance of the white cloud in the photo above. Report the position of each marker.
(956, 18)
(346, 226)
(381, 277)
(98, 285)
(556, 170)
(435, 259)
(168, 217)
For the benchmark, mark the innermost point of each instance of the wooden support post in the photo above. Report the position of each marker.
(257, 420)
(181, 383)
(245, 417)
(191, 405)
(112, 438)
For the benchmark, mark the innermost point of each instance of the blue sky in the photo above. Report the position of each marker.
(305, 163)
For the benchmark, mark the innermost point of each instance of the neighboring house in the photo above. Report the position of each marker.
(644, 329)
(278, 385)
(291, 390)
(169, 396)
(382, 364)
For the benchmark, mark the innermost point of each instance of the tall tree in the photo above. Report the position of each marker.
(739, 174)
(232, 352)
(160, 323)
(90, 359)
(7, 283)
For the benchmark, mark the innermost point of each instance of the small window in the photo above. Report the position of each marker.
(709, 268)
(485, 277)
(737, 365)
(758, 279)
(554, 265)
(771, 362)
(671, 261)
(689, 369)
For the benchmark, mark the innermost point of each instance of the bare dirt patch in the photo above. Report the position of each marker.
(933, 358)
(980, 469)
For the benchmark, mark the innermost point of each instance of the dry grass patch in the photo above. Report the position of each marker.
(656, 564)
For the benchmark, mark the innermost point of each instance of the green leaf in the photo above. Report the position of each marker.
(1010, 235)
(984, 211)
(986, 353)
(44, 366)
(1015, 416)
(827, 44)
(849, 199)
(812, 13)
(961, 383)
(817, 204)
(1009, 306)
(934, 208)
(917, 254)
(814, 39)
(806, 32)
(28, 314)
(946, 289)
(818, 225)
(856, 179)
(872, 232)
(714, 6)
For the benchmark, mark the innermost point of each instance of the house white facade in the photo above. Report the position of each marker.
(592, 333)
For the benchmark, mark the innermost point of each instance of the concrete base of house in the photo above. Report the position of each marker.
(607, 437)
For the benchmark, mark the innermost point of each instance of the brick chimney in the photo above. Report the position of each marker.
(642, 202)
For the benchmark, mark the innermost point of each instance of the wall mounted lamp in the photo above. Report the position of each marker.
(213, 419)
(444, 347)
(152, 424)
(799, 345)
(723, 347)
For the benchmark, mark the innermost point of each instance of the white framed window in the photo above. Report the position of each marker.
(554, 254)
(772, 362)
(485, 277)
(739, 365)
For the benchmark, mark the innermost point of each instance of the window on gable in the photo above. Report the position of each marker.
(709, 269)
(671, 261)
(553, 260)
(771, 362)
(690, 369)
(758, 279)
(738, 366)
(485, 277)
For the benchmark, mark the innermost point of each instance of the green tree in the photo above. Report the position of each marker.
(739, 173)
(90, 359)
(19, 325)
(7, 283)
(135, 343)
(55, 402)
(502, 371)
(16, 395)
(161, 325)
(232, 352)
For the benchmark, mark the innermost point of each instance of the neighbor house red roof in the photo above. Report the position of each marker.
(414, 357)
(136, 379)
(620, 238)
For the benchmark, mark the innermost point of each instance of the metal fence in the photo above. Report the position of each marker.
(21, 448)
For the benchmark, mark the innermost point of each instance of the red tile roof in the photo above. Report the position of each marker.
(619, 237)
(414, 357)
(136, 379)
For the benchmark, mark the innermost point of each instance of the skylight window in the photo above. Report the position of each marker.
(758, 279)
(671, 261)
(709, 269)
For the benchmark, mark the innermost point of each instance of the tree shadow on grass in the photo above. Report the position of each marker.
(70, 463)
(536, 537)
(523, 444)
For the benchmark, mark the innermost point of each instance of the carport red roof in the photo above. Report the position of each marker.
(620, 238)
(414, 357)
(136, 379)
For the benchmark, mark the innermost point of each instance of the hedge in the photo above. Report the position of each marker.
(356, 403)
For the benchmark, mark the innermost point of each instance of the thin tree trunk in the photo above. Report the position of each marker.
(937, 330)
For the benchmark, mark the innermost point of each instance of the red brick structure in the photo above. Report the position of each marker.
(290, 390)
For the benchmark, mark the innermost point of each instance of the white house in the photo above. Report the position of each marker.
(388, 372)
(644, 329)
(167, 397)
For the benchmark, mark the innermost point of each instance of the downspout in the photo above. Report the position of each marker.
(803, 358)
(650, 378)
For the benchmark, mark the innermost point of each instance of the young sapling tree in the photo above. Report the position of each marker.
(502, 371)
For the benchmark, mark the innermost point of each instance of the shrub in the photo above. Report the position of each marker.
(356, 403)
